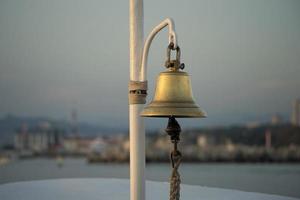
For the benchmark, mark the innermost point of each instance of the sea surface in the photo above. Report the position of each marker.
(280, 179)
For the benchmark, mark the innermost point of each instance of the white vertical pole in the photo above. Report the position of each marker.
(136, 123)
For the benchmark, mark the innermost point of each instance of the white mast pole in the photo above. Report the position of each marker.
(137, 93)
(136, 123)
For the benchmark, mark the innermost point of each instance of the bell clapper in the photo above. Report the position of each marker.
(173, 129)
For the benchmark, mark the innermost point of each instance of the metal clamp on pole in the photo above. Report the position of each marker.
(137, 92)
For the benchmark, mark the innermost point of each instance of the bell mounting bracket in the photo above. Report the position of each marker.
(174, 65)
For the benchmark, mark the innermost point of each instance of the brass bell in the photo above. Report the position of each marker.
(173, 94)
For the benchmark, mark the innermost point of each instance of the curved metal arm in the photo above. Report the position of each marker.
(159, 27)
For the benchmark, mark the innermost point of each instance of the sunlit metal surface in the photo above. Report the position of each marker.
(173, 97)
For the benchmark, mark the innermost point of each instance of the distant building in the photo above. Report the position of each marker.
(202, 141)
(98, 145)
(295, 118)
(74, 123)
(253, 124)
(78, 145)
(162, 143)
(229, 146)
(276, 119)
(39, 139)
(268, 139)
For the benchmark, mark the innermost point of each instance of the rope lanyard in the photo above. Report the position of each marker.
(173, 129)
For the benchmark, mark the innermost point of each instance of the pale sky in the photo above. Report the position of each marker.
(243, 57)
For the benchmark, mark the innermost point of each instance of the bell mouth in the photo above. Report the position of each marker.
(177, 112)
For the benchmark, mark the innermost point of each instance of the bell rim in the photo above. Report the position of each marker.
(164, 112)
(176, 116)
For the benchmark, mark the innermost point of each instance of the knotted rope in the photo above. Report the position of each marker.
(173, 129)
(175, 176)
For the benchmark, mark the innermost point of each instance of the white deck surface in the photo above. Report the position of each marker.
(116, 189)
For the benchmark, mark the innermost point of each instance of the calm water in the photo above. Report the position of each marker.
(282, 179)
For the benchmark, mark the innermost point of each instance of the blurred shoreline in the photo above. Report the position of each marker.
(273, 142)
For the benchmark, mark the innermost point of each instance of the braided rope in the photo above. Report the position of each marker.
(175, 176)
